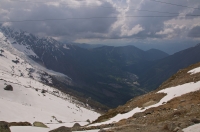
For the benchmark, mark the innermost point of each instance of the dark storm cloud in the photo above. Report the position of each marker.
(70, 28)
(147, 29)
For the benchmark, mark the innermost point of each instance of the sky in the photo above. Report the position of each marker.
(168, 25)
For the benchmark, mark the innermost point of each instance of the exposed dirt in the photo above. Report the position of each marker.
(174, 115)
(178, 113)
(136, 102)
(181, 77)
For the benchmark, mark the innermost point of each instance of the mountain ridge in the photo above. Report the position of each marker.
(109, 75)
(166, 67)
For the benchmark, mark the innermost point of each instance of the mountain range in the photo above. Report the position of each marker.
(62, 87)
(109, 75)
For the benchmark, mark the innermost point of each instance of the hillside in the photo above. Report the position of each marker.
(155, 54)
(162, 69)
(101, 74)
(27, 95)
(174, 106)
(108, 76)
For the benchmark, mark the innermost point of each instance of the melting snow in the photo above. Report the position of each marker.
(193, 128)
(28, 129)
(194, 71)
(38, 129)
(171, 92)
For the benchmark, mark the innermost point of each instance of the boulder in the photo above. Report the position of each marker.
(20, 124)
(4, 127)
(39, 124)
(194, 120)
(76, 126)
(62, 129)
(43, 91)
(102, 130)
(8, 88)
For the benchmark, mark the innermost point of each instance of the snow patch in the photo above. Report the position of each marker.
(25, 49)
(194, 71)
(65, 47)
(171, 92)
(39, 129)
(193, 128)
(28, 129)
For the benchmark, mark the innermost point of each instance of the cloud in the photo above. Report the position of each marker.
(70, 29)
(124, 20)
(194, 32)
(135, 30)
(165, 31)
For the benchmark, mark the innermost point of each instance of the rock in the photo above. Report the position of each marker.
(62, 129)
(39, 124)
(4, 127)
(8, 88)
(102, 130)
(149, 112)
(88, 120)
(140, 114)
(20, 124)
(182, 100)
(76, 125)
(195, 120)
(60, 121)
(176, 129)
(171, 126)
(43, 91)
(180, 130)
(149, 103)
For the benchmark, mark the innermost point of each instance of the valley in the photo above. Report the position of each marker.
(62, 84)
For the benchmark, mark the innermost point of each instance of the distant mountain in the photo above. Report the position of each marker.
(162, 69)
(155, 54)
(98, 73)
(109, 75)
(88, 46)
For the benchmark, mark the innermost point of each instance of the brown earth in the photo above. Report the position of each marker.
(20, 124)
(173, 115)
(181, 77)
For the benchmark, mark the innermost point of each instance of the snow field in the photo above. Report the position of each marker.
(26, 102)
(194, 71)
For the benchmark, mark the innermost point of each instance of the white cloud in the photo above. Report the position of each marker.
(165, 31)
(135, 30)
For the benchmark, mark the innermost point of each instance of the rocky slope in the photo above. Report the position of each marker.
(174, 106)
